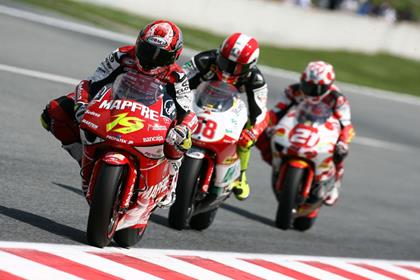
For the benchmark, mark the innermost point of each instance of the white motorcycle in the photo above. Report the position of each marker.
(303, 144)
(212, 164)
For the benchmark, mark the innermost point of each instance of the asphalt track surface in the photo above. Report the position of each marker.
(378, 215)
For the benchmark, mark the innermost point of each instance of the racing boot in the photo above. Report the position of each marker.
(169, 199)
(241, 187)
(333, 195)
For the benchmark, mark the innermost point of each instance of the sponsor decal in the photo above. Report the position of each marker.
(152, 139)
(157, 128)
(157, 41)
(183, 87)
(230, 160)
(239, 108)
(134, 106)
(158, 188)
(229, 174)
(261, 95)
(169, 108)
(235, 52)
(98, 97)
(117, 139)
(91, 113)
(90, 124)
(125, 124)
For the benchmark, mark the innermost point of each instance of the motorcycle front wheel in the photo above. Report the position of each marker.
(182, 210)
(103, 213)
(129, 237)
(288, 197)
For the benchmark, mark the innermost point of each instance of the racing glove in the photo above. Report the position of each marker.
(340, 152)
(180, 137)
(247, 139)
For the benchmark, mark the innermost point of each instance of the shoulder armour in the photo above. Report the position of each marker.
(256, 79)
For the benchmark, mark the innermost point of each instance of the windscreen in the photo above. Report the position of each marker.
(138, 87)
(314, 112)
(216, 96)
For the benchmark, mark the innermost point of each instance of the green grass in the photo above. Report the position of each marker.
(379, 70)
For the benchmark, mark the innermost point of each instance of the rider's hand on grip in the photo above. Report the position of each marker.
(247, 139)
(180, 136)
(341, 151)
(79, 111)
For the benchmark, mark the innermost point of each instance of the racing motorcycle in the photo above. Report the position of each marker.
(123, 132)
(212, 164)
(303, 144)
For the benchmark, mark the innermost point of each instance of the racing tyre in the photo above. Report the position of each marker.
(103, 213)
(129, 237)
(181, 211)
(203, 220)
(288, 196)
(303, 223)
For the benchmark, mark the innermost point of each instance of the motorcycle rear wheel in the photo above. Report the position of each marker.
(129, 237)
(181, 211)
(288, 196)
(103, 215)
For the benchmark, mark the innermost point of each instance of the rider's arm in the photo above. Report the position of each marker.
(106, 72)
(286, 100)
(342, 113)
(200, 67)
(180, 92)
(257, 91)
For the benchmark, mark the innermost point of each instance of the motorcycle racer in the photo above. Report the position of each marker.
(235, 62)
(158, 46)
(316, 85)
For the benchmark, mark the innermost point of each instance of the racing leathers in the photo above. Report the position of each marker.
(341, 110)
(202, 67)
(61, 115)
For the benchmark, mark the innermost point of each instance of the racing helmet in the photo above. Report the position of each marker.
(159, 44)
(237, 55)
(316, 80)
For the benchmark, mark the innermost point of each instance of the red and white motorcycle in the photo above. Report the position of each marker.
(212, 164)
(303, 144)
(123, 132)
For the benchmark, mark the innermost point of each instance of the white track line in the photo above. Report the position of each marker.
(39, 75)
(127, 39)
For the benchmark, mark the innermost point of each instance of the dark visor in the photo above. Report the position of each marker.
(311, 89)
(233, 68)
(151, 56)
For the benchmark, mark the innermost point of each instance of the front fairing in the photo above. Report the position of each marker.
(220, 124)
(126, 121)
(305, 134)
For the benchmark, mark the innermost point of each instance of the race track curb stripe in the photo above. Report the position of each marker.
(50, 261)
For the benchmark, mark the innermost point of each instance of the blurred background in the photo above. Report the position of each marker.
(372, 43)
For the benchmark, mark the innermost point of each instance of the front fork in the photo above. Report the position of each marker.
(117, 159)
(303, 209)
